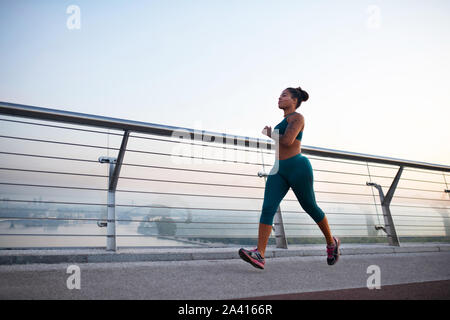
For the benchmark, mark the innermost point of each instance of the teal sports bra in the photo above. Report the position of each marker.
(282, 128)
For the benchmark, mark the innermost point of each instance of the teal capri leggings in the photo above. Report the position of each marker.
(295, 172)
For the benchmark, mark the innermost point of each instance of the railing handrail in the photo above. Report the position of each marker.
(70, 117)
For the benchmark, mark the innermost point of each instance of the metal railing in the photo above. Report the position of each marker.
(167, 185)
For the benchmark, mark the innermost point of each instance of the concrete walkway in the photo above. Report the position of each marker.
(215, 279)
(50, 256)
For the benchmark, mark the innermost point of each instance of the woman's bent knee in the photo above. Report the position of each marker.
(317, 215)
(267, 217)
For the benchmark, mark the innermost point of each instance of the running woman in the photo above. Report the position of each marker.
(293, 171)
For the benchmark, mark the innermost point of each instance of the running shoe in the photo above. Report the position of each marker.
(333, 252)
(253, 257)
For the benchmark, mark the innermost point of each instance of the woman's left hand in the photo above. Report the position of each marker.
(267, 131)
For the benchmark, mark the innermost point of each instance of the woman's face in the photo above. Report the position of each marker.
(285, 100)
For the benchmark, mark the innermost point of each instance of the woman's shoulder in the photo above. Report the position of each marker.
(297, 116)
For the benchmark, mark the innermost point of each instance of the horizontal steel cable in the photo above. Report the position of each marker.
(128, 150)
(146, 192)
(188, 182)
(11, 218)
(52, 218)
(131, 136)
(60, 127)
(57, 172)
(53, 234)
(49, 186)
(56, 202)
(213, 159)
(47, 157)
(148, 206)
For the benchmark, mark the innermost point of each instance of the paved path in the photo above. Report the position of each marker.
(224, 279)
(429, 290)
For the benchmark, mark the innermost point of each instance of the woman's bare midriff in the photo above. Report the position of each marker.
(286, 152)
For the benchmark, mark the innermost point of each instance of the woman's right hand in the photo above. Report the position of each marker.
(267, 131)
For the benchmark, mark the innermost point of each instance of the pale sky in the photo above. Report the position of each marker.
(377, 72)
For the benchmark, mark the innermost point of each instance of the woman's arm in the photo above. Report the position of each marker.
(295, 125)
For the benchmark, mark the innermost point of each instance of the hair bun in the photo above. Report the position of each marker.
(303, 94)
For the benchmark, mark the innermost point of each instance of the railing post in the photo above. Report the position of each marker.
(111, 218)
(389, 227)
(278, 226)
(114, 172)
(111, 207)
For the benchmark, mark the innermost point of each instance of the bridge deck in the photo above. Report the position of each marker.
(215, 276)
(84, 255)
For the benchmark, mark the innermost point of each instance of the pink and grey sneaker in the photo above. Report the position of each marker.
(253, 257)
(333, 252)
